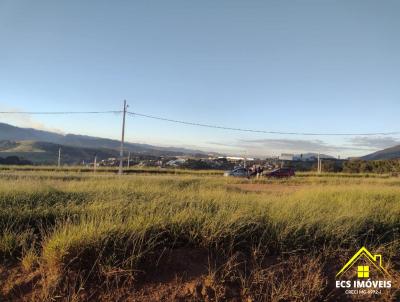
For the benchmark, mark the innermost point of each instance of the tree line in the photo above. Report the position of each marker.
(372, 166)
(349, 166)
(14, 160)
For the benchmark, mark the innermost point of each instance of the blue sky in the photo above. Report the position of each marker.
(296, 66)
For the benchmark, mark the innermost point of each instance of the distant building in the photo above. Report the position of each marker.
(287, 156)
(176, 163)
(305, 157)
(235, 158)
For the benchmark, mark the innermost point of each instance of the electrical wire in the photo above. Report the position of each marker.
(131, 113)
(60, 112)
(259, 131)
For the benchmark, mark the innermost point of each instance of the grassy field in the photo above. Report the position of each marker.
(72, 235)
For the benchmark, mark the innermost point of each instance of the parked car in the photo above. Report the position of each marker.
(281, 172)
(237, 172)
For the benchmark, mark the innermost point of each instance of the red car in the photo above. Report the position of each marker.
(281, 173)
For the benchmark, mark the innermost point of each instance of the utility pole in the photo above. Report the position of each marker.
(121, 152)
(95, 163)
(129, 158)
(59, 157)
(319, 163)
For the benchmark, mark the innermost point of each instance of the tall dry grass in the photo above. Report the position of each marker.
(77, 227)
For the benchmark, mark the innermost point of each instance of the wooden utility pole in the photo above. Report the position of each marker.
(95, 163)
(319, 163)
(121, 152)
(59, 157)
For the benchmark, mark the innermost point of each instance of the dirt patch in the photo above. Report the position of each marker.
(192, 274)
(18, 285)
(183, 263)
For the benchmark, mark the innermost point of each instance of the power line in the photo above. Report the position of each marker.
(258, 131)
(200, 124)
(121, 152)
(60, 112)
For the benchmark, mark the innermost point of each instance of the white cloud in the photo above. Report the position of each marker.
(23, 120)
(380, 142)
(260, 147)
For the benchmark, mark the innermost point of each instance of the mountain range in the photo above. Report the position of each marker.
(388, 153)
(42, 146)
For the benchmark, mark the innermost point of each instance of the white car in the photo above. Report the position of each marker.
(238, 172)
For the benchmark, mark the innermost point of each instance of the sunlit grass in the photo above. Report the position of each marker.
(76, 221)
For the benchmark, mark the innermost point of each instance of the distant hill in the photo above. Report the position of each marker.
(47, 153)
(11, 134)
(389, 153)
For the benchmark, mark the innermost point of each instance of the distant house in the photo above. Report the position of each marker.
(287, 156)
(176, 162)
(236, 158)
(303, 156)
(306, 157)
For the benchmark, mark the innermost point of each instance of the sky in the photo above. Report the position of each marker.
(292, 66)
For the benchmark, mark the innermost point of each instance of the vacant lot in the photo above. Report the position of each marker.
(80, 236)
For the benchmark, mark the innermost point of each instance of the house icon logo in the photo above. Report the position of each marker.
(368, 277)
(364, 271)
